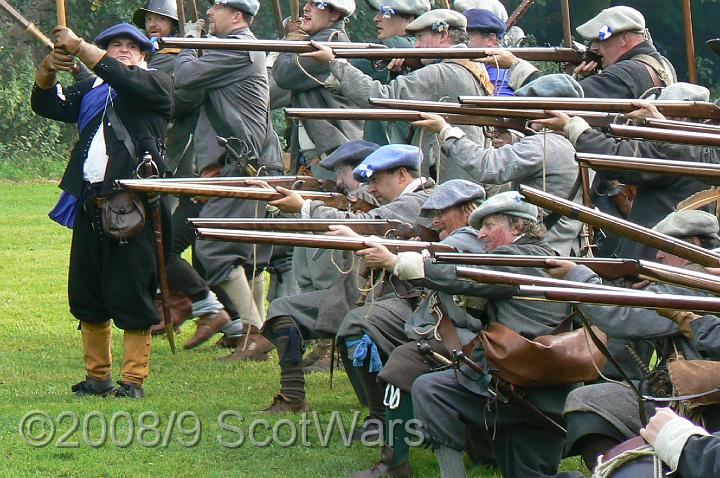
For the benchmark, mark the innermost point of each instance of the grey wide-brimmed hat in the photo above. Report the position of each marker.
(557, 85)
(509, 202)
(611, 21)
(406, 7)
(167, 8)
(438, 20)
(451, 193)
(248, 6)
(688, 223)
(681, 91)
(351, 153)
(493, 5)
(345, 6)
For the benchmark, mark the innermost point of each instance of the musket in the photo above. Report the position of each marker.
(319, 242)
(300, 183)
(487, 276)
(594, 119)
(686, 109)
(702, 171)
(336, 200)
(607, 268)
(27, 24)
(383, 114)
(621, 297)
(181, 17)
(287, 46)
(517, 13)
(665, 135)
(554, 54)
(156, 220)
(682, 125)
(389, 228)
(622, 227)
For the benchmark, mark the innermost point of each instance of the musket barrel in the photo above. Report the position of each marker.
(378, 227)
(383, 114)
(704, 171)
(561, 55)
(257, 45)
(682, 125)
(622, 227)
(657, 134)
(308, 183)
(623, 297)
(509, 278)
(320, 242)
(687, 109)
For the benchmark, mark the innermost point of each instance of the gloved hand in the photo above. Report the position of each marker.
(294, 31)
(682, 318)
(194, 29)
(67, 39)
(58, 60)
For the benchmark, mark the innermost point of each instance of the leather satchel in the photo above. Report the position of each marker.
(695, 377)
(123, 215)
(562, 358)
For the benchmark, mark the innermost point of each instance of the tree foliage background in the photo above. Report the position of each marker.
(28, 140)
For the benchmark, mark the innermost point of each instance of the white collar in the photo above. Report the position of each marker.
(417, 182)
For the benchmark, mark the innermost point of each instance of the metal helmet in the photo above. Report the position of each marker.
(167, 8)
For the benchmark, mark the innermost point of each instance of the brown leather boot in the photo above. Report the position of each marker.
(207, 326)
(180, 311)
(282, 404)
(256, 347)
(385, 467)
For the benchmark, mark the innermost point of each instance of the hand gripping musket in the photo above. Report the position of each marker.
(154, 201)
(383, 114)
(300, 183)
(389, 228)
(594, 119)
(665, 135)
(286, 46)
(336, 200)
(622, 227)
(682, 125)
(679, 109)
(554, 54)
(607, 268)
(703, 171)
(27, 24)
(518, 13)
(320, 242)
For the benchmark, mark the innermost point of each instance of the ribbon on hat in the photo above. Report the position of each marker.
(155, 44)
(387, 11)
(440, 26)
(519, 198)
(365, 171)
(605, 33)
(320, 4)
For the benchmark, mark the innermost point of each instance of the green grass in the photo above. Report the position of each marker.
(41, 357)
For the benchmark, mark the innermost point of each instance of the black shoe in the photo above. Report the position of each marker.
(92, 386)
(370, 430)
(128, 390)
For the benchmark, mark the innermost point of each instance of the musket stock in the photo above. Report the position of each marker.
(559, 55)
(703, 171)
(336, 200)
(678, 109)
(288, 46)
(366, 227)
(383, 114)
(622, 227)
(319, 242)
(669, 136)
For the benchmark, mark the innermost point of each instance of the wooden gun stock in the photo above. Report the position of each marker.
(518, 13)
(622, 227)
(336, 200)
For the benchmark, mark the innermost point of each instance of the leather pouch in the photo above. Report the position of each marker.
(123, 215)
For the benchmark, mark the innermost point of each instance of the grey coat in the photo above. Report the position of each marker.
(304, 77)
(443, 81)
(542, 161)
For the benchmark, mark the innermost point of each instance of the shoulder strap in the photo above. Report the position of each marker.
(121, 132)
(658, 73)
(480, 74)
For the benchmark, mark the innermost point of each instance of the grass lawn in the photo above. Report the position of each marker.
(41, 357)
